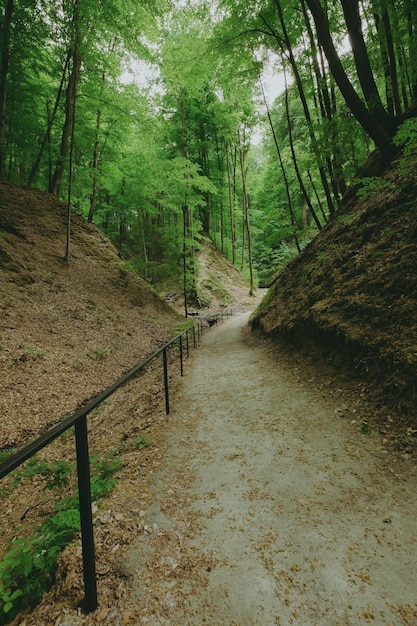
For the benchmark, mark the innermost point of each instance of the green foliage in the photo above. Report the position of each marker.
(346, 219)
(4, 454)
(98, 354)
(33, 353)
(103, 470)
(29, 566)
(269, 261)
(173, 144)
(406, 137)
(214, 286)
(141, 442)
(179, 328)
(370, 185)
(55, 474)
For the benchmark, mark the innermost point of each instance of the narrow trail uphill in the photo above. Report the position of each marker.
(273, 506)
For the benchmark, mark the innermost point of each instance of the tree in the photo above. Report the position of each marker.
(71, 94)
(371, 120)
(4, 65)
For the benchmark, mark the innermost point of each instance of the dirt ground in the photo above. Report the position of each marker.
(270, 502)
(275, 505)
(296, 516)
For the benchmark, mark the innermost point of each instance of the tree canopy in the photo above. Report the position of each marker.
(162, 163)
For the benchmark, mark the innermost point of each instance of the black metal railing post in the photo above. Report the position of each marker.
(181, 357)
(90, 601)
(166, 384)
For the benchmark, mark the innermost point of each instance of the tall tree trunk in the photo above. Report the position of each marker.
(392, 63)
(324, 97)
(220, 167)
(325, 110)
(246, 213)
(93, 197)
(319, 202)
(51, 119)
(184, 258)
(334, 158)
(284, 173)
(303, 98)
(141, 220)
(363, 65)
(55, 187)
(385, 64)
(5, 50)
(381, 135)
(231, 202)
(295, 163)
(412, 34)
(69, 201)
(188, 250)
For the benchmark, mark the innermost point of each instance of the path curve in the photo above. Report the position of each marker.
(272, 506)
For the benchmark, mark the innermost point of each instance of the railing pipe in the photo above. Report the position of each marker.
(166, 382)
(90, 601)
(181, 356)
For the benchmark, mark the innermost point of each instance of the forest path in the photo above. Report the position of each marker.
(272, 506)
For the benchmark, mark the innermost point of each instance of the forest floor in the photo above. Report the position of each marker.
(267, 500)
(269, 495)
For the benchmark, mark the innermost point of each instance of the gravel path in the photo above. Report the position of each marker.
(273, 507)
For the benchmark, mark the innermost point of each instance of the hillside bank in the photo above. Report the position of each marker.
(351, 295)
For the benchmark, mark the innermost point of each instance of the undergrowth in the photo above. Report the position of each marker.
(28, 568)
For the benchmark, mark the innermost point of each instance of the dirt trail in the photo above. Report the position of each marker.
(273, 507)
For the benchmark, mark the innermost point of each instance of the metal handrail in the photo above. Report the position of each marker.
(79, 421)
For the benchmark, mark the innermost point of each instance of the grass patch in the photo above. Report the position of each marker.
(216, 288)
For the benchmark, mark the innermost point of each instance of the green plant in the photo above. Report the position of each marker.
(31, 352)
(102, 474)
(55, 474)
(4, 454)
(346, 219)
(179, 328)
(406, 137)
(98, 354)
(214, 285)
(323, 257)
(91, 304)
(371, 184)
(141, 442)
(28, 568)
